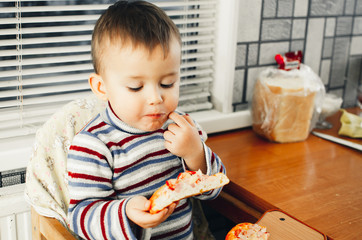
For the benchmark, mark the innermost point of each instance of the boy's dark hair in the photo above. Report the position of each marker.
(136, 23)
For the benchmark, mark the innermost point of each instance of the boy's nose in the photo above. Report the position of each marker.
(155, 97)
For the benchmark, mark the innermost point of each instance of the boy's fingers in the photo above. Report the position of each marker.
(173, 206)
(169, 210)
(168, 136)
(147, 205)
(189, 120)
(172, 128)
(181, 120)
(178, 119)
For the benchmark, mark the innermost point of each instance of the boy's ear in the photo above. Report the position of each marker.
(98, 87)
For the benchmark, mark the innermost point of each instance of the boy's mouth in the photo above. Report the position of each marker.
(155, 115)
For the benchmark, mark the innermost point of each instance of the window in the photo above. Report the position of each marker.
(45, 62)
(45, 57)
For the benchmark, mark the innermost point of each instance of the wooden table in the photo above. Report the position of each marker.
(316, 181)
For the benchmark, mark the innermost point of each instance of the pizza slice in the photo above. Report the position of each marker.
(248, 231)
(187, 184)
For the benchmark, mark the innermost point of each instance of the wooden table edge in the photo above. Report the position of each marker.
(239, 205)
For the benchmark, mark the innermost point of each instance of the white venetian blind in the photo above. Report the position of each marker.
(45, 56)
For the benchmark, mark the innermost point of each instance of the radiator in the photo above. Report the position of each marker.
(15, 219)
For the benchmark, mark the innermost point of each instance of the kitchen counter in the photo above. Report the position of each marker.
(316, 181)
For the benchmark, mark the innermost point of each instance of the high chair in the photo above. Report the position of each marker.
(46, 178)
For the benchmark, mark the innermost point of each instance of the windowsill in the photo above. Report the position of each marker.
(213, 121)
(15, 152)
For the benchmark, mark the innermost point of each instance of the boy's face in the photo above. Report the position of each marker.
(142, 87)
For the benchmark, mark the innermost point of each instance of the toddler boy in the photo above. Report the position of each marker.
(128, 151)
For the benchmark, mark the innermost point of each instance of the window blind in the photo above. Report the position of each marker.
(45, 56)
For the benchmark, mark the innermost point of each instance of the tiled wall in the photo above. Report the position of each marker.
(329, 32)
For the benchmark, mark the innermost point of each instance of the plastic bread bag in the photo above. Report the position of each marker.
(286, 104)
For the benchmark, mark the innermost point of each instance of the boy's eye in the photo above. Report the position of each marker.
(167, 85)
(135, 89)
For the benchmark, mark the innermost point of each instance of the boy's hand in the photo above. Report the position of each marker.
(137, 211)
(183, 140)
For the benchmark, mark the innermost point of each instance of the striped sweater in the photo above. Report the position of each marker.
(109, 162)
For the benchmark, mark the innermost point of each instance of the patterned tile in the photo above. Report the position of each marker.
(269, 50)
(253, 54)
(238, 87)
(326, 7)
(285, 8)
(313, 49)
(278, 29)
(350, 99)
(358, 9)
(349, 7)
(240, 55)
(356, 45)
(339, 61)
(240, 107)
(249, 20)
(344, 26)
(327, 48)
(357, 26)
(330, 27)
(297, 45)
(299, 28)
(300, 8)
(270, 8)
(354, 75)
(325, 70)
(354, 70)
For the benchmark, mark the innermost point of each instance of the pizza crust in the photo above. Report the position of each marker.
(187, 184)
(247, 231)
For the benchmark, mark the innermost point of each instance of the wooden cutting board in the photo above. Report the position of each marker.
(282, 226)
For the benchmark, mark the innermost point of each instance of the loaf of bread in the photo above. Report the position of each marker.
(283, 104)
